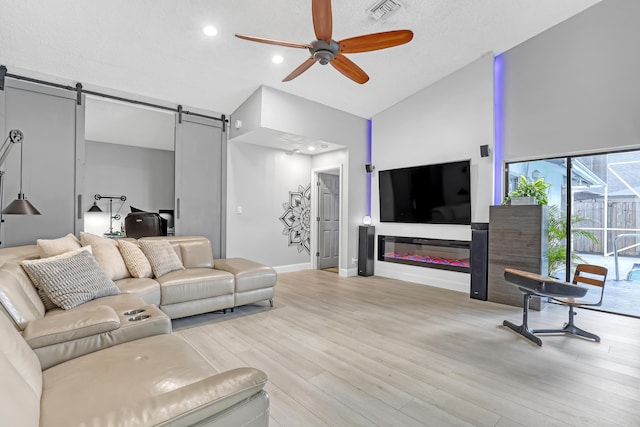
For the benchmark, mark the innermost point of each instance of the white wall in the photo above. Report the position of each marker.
(144, 175)
(303, 117)
(447, 121)
(289, 114)
(258, 182)
(575, 88)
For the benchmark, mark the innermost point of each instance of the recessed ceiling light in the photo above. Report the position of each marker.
(311, 148)
(277, 59)
(210, 30)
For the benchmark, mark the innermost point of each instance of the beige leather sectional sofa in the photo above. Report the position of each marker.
(113, 360)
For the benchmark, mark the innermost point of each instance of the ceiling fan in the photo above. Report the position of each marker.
(325, 50)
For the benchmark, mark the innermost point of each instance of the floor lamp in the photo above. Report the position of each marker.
(20, 206)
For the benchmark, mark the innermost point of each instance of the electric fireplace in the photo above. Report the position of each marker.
(450, 255)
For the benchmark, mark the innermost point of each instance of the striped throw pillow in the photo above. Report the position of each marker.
(134, 258)
(70, 281)
(161, 256)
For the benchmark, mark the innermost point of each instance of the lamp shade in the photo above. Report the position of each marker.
(95, 208)
(20, 206)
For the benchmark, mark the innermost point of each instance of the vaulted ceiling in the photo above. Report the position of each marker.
(157, 49)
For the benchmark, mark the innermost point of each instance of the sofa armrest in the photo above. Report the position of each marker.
(70, 325)
(160, 381)
(211, 396)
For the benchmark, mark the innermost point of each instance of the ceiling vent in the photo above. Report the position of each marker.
(383, 9)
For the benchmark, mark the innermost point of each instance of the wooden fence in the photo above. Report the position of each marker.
(623, 218)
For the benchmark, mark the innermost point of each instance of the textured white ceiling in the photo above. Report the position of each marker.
(122, 123)
(156, 48)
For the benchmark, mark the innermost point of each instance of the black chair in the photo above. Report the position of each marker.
(585, 274)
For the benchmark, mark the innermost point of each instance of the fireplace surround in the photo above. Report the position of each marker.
(452, 255)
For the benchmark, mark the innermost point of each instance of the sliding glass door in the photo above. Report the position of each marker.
(554, 172)
(594, 218)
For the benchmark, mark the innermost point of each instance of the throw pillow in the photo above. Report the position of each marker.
(107, 254)
(135, 260)
(71, 280)
(52, 247)
(46, 301)
(161, 256)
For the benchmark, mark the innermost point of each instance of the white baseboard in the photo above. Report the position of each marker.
(343, 272)
(292, 267)
(451, 280)
(348, 272)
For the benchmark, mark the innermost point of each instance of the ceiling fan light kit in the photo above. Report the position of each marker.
(325, 50)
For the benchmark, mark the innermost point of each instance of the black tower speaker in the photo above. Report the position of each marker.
(366, 235)
(479, 260)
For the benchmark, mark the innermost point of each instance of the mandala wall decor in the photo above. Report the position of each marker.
(297, 218)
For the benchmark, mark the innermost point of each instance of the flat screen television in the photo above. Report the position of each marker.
(429, 194)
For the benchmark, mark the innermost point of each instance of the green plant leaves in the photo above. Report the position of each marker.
(536, 189)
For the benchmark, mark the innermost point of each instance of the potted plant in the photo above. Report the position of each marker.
(533, 192)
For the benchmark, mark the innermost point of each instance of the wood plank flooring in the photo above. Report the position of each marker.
(379, 352)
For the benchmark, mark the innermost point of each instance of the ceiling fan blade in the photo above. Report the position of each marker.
(375, 41)
(301, 69)
(322, 21)
(349, 69)
(276, 42)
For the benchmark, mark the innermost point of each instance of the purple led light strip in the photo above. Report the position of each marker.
(498, 123)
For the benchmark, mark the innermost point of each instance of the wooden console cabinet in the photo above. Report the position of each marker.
(518, 238)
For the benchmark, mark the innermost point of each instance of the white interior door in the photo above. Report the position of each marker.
(328, 220)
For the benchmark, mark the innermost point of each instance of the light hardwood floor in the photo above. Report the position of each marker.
(372, 351)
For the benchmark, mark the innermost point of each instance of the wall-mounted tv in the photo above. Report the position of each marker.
(429, 194)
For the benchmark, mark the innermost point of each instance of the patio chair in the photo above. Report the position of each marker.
(586, 274)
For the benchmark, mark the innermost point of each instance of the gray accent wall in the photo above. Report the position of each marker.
(144, 175)
(52, 126)
(575, 88)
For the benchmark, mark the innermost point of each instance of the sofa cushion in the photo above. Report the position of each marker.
(126, 306)
(151, 381)
(51, 247)
(161, 256)
(70, 326)
(193, 251)
(107, 254)
(143, 287)
(21, 379)
(249, 275)
(196, 252)
(70, 280)
(194, 284)
(19, 299)
(135, 260)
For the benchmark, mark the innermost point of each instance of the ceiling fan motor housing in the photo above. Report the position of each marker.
(324, 52)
